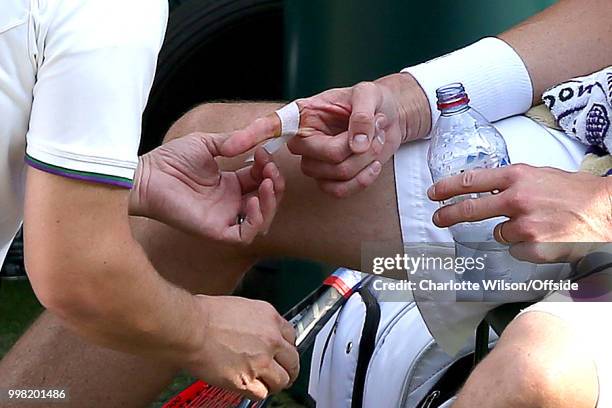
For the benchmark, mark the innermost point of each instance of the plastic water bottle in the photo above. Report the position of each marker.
(462, 139)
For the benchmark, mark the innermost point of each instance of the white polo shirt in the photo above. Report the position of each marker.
(74, 79)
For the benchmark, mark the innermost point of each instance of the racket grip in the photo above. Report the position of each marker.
(247, 403)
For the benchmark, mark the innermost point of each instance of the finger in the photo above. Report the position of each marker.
(275, 378)
(331, 149)
(471, 209)
(245, 139)
(253, 222)
(262, 158)
(213, 141)
(471, 181)
(380, 124)
(246, 232)
(288, 332)
(250, 177)
(289, 359)
(500, 231)
(518, 229)
(247, 179)
(342, 189)
(267, 202)
(272, 172)
(343, 171)
(365, 100)
(256, 390)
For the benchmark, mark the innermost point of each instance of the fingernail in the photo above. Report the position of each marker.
(431, 191)
(360, 141)
(380, 136)
(376, 167)
(436, 218)
(378, 124)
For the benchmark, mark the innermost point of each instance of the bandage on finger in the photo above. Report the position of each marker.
(289, 116)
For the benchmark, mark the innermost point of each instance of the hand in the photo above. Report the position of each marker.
(180, 184)
(346, 135)
(247, 347)
(550, 210)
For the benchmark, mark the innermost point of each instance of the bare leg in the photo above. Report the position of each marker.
(538, 363)
(309, 225)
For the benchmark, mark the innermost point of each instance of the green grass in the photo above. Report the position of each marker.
(18, 309)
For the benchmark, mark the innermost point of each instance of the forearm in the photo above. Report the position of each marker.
(571, 38)
(86, 267)
(122, 303)
(504, 78)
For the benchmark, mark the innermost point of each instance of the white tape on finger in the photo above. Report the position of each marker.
(289, 116)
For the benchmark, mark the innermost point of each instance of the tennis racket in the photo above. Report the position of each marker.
(308, 317)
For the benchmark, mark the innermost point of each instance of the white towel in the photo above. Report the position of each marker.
(582, 107)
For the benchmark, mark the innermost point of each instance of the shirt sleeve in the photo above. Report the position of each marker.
(94, 78)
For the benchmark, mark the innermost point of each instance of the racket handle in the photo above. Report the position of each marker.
(247, 403)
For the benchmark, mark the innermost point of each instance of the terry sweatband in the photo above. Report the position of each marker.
(289, 116)
(492, 73)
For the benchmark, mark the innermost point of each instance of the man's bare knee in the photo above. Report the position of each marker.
(537, 363)
(219, 117)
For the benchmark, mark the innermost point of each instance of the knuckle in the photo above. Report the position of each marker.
(275, 341)
(467, 179)
(467, 208)
(527, 230)
(362, 118)
(363, 181)
(271, 310)
(339, 191)
(516, 200)
(365, 86)
(265, 308)
(518, 171)
(344, 171)
(307, 168)
(271, 342)
(335, 154)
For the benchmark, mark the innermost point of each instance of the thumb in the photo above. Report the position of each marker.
(365, 100)
(245, 139)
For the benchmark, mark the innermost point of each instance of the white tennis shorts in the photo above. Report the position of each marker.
(528, 142)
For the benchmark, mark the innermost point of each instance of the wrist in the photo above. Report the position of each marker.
(412, 105)
(199, 333)
(196, 333)
(492, 73)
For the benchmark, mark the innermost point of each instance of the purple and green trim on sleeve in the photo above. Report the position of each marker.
(79, 175)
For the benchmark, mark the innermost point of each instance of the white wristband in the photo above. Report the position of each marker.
(493, 74)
